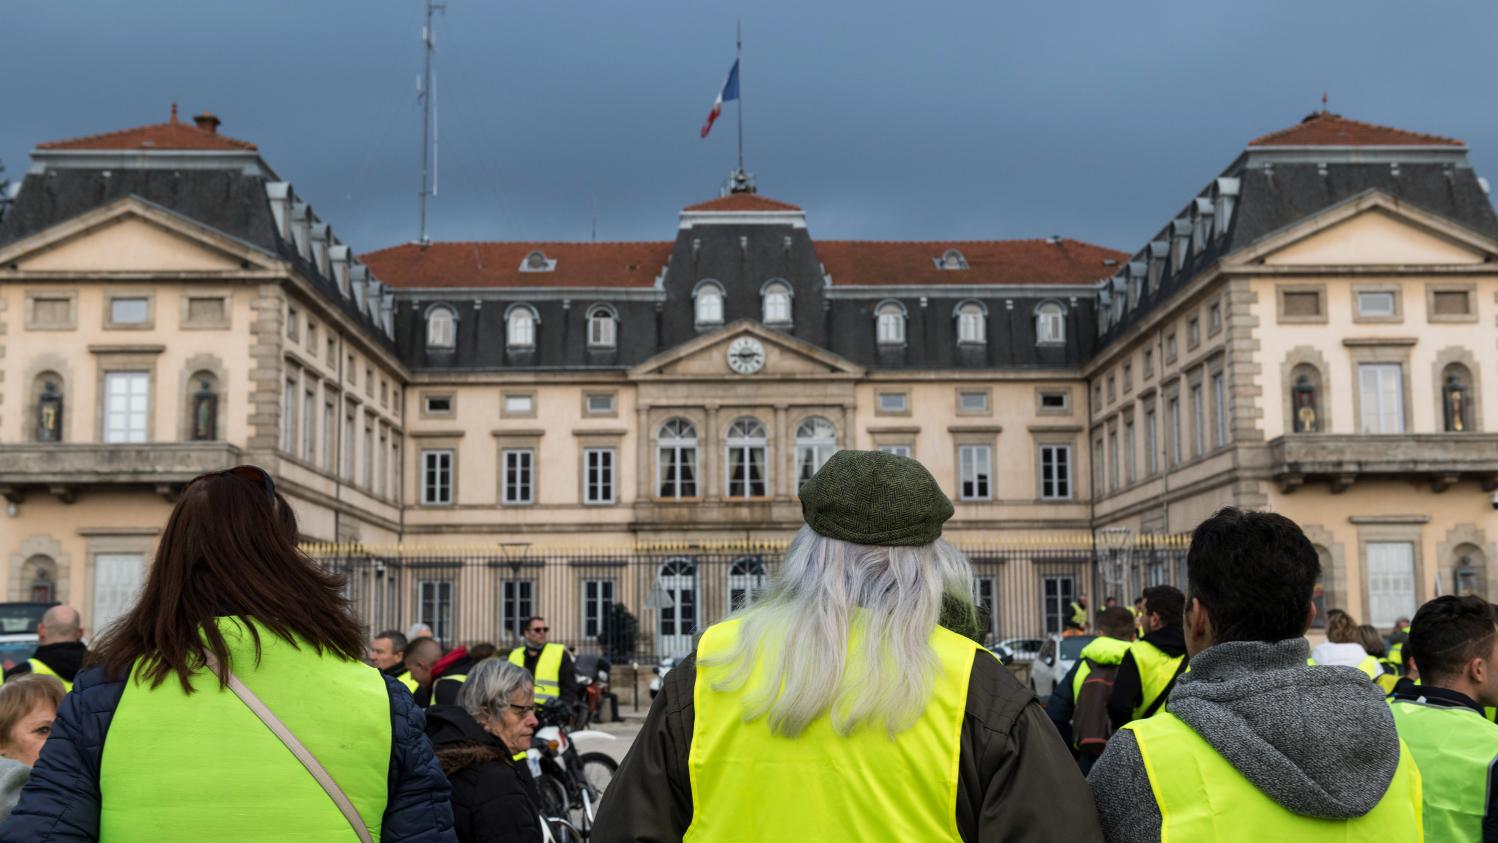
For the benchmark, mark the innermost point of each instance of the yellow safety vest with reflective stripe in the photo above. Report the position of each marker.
(1156, 669)
(1455, 748)
(548, 675)
(1078, 614)
(1104, 651)
(1202, 796)
(820, 785)
(1369, 665)
(409, 681)
(40, 667)
(180, 766)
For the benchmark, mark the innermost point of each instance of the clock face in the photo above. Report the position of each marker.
(746, 355)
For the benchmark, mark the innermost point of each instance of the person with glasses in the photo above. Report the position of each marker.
(481, 744)
(548, 662)
(1454, 643)
(233, 701)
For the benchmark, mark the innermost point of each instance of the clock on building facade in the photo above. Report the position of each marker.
(746, 355)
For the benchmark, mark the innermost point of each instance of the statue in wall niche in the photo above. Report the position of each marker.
(1466, 578)
(49, 414)
(204, 413)
(1304, 401)
(1456, 404)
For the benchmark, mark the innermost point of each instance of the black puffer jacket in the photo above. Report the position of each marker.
(65, 659)
(494, 798)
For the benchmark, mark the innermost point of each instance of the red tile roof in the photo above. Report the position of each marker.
(742, 202)
(989, 262)
(1323, 128)
(466, 264)
(173, 134)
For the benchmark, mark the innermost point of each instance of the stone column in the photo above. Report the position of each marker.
(644, 466)
(785, 449)
(707, 465)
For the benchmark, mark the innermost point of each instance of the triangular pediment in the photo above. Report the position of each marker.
(1372, 229)
(707, 356)
(132, 236)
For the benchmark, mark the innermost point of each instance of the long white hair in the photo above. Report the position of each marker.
(799, 632)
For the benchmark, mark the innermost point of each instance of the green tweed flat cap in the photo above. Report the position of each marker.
(870, 497)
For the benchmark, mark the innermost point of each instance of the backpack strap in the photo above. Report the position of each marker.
(1165, 694)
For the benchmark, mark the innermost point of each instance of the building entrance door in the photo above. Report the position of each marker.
(117, 580)
(678, 610)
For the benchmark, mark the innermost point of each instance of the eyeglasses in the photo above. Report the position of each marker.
(522, 711)
(539, 629)
(250, 474)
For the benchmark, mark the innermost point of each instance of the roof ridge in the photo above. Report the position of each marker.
(1323, 115)
(175, 124)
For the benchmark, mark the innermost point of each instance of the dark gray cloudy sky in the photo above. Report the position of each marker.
(885, 120)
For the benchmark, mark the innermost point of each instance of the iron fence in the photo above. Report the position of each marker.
(646, 603)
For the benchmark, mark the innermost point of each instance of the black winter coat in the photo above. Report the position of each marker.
(494, 798)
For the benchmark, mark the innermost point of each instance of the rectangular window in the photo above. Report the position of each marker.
(972, 402)
(1220, 406)
(1056, 595)
(1381, 393)
(976, 463)
(601, 331)
(384, 393)
(986, 598)
(1128, 377)
(1375, 303)
(1055, 472)
(369, 382)
(1149, 363)
(369, 464)
(518, 482)
(601, 403)
(312, 336)
(518, 604)
(746, 471)
(676, 462)
(127, 405)
(1129, 463)
(332, 353)
(353, 371)
(328, 428)
(47, 312)
(1151, 443)
(434, 600)
(1113, 459)
(1391, 582)
(598, 602)
(292, 326)
(205, 310)
(395, 468)
(897, 450)
(1174, 407)
(288, 418)
(383, 456)
(520, 405)
(309, 426)
(1112, 391)
(436, 405)
(598, 475)
(348, 447)
(129, 311)
(1193, 332)
(1053, 400)
(1214, 318)
(1170, 348)
(1442, 303)
(437, 477)
(1198, 422)
(1302, 303)
(892, 402)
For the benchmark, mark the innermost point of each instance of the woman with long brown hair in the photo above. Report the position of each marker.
(233, 701)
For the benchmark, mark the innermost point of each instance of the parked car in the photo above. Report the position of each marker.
(18, 622)
(1023, 649)
(1057, 656)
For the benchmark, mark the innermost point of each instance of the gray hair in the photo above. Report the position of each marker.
(799, 632)
(490, 684)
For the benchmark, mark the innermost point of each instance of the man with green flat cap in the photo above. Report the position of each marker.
(851, 701)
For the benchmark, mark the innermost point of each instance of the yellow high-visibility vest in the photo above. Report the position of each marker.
(1156, 669)
(548, 675)
(40, 667)
(1455, 748)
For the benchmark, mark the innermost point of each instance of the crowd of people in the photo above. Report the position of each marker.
(853, 700)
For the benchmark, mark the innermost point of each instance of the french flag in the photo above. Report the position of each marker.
(729, 93)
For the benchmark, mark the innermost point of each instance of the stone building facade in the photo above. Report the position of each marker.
(1308, 335)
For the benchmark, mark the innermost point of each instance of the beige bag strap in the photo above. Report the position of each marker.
(301, 752)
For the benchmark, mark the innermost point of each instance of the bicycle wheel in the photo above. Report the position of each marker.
(554, 802)
(598, 771)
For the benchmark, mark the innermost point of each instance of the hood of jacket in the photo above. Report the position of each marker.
(1347, 655)
(1170, 639)
(1320, 741)
(65, 659)
(460, 741)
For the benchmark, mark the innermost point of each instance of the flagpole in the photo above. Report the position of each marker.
(739, 61)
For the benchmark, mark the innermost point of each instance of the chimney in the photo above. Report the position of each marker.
(207, 122)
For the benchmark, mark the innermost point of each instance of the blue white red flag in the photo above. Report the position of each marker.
(729, 93)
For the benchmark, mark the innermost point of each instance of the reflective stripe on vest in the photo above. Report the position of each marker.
(1103, 650)
(548, 675)
(878, 788)
(40, 667)
(1156, 669)
(1455, 748)
(177, 766)
(1202, 796)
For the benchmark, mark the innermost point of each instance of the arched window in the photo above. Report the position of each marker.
(1456, 399)
(520, 322)
(1306, 400)
(1469, 567)
(676, 459)
(952, 259)
(816, 439)
(1050, 324)
(889, 323)
(746, 444)
(602, 326)
(777, 303)
(746, 578)
(41, 582)
(202, 407)
(708, 303)
(47, 401)
(971, 327)
(442, 327)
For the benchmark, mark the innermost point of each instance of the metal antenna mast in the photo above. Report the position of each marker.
(424, 92)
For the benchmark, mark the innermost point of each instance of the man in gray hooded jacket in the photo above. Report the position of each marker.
(1319, 742)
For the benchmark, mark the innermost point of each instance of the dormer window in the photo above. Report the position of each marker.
(951, 259)
(707, 301)
(442, 326)
(971, 327)
(537, 261)
(777, 303)
(602, 326)
(520, 324)
(1050, 322)
(889, 323)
